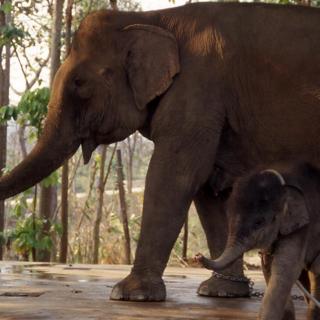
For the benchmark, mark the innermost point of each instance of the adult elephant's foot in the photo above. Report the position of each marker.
(139, 288)
(214, 287)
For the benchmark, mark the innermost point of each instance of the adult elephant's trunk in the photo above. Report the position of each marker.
(56, 144)
(230, 254)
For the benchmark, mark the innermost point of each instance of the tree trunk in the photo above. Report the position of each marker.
(130, 145)
(68, 25)
(48, 193)
(56, 38)
(47, 205)
(123, 208)
(129, 174)
(103, 178)
(64, 213)
(22, 141)
(114, 4)
(101, 187)
(65, 168)
(4, 100)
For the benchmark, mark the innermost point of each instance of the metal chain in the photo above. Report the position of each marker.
(230, 278)
(260, 293)
(252, 292)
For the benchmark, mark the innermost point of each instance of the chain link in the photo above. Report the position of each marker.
(259, 293)
(253, 293)
(230, 278)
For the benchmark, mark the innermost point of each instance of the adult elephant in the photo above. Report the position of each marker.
(213, 85)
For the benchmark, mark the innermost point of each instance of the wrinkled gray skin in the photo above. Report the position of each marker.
(219, 88)
(278, 212)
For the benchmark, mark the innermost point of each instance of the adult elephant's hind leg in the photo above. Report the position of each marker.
(213, 218)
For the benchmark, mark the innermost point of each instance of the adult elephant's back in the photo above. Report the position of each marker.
(273, 81)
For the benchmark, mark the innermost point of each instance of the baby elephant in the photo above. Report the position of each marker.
(278, 211)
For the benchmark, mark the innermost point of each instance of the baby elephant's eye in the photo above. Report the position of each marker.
(263, 202)
(258, 223)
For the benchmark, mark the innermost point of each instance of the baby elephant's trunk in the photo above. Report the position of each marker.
(229, 255)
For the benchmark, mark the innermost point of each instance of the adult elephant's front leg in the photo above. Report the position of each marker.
(174, 175)
(211, 210)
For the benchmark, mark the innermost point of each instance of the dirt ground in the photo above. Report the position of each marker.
(38, 291)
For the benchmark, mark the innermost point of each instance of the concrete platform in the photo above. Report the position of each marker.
(38, 291)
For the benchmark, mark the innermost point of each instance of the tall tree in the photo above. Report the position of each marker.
(65, 167)
(103, 178)
(5, 19)
(48, 194)
(114, 4)
(101, 186)
(123, 208)
(130, 148)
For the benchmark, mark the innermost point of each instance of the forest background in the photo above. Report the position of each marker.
(79, 214)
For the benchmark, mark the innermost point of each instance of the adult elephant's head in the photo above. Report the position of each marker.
(101, 92)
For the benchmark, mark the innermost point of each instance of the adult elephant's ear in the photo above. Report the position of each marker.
(296, 214)
(152, 61)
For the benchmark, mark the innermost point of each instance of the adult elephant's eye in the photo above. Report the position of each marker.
(78, 82)
(82, 88)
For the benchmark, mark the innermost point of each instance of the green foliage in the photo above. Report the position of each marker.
(9, 33)
(7, 113)
(21, 204)
(28, 235)
(28, 232)
(315, 3)
(6, 7)
(31, 110)
(56, 228)
(51, 180)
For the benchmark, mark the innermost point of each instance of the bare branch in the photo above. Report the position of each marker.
(21, 66)
(18, 93)
(109, 165)
(38, 72)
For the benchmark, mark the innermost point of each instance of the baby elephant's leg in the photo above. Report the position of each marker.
(289, 313)
(266, 263)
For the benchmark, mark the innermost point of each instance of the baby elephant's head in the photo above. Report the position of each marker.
(262, 206)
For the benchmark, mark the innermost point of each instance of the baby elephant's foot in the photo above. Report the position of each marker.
(139, 288)
(214, 287)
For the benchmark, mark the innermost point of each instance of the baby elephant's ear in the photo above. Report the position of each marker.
(296, 214)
